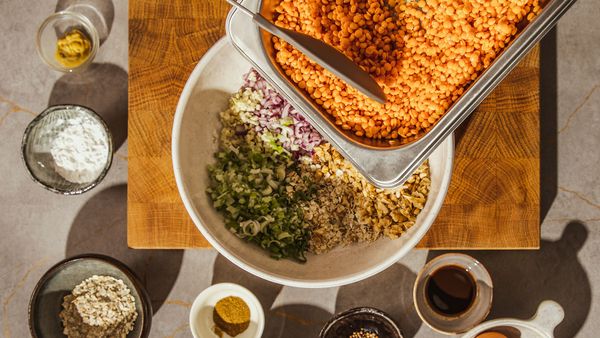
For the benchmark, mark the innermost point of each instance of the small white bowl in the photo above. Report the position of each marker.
(549, 314)
(201, 314)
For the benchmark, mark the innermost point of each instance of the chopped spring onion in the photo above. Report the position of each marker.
(253, 198)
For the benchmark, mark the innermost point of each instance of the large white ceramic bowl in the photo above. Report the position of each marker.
(194, 142)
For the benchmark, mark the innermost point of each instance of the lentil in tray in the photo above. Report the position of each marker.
(423, 53)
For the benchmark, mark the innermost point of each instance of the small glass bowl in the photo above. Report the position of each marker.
(54, 28)
(35, 150)
(476, 313)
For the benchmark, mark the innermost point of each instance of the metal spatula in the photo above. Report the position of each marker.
(323, 54)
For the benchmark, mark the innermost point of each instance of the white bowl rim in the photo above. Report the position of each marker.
(512, 322)
(332, 282)
(547, 317)
(248, 296)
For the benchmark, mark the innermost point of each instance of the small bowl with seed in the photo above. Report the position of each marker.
(361, 322)
(226, 310)
(67, 41)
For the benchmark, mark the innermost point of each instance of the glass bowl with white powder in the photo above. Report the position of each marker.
(67, 149)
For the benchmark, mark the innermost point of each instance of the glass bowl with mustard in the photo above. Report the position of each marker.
(67, 41)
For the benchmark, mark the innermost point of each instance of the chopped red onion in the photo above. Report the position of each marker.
(278, 121)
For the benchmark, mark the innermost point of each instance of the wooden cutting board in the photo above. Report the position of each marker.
(493, 200)
(494, 197)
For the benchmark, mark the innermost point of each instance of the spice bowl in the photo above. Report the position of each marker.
(47, 297)
(52, 162)
(361, 322)
(201, 320)
(57, 26)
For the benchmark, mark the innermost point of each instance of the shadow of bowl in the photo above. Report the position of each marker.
(396, 301)
(100, 12)
(101, 227)
(101, 87)
(523, 279)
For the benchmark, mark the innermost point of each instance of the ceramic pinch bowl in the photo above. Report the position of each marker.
(201, 313)
(547, 317)
(476, 312)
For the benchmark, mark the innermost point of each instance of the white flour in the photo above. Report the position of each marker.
(79, 149)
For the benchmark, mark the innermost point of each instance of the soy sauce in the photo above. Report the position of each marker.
(450, 290)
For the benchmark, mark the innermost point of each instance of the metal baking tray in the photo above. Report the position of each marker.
(387, 167)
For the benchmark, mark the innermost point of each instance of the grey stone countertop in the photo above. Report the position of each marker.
(39, 228)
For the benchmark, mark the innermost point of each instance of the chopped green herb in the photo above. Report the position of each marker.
(250, 188)
(252, 197)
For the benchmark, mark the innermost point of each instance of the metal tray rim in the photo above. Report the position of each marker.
(408, 157)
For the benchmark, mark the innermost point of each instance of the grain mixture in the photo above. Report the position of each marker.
(279, 185)
(424, 54)
(349, 209)
(99, 307)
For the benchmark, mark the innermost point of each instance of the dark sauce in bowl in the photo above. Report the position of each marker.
(450, 290)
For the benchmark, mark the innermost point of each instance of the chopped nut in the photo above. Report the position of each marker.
(350, 209)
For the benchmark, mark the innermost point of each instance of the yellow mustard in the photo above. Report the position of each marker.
(73, 49)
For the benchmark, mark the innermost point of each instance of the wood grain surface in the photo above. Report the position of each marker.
(166, 40)
(494, 197)
(492, 202)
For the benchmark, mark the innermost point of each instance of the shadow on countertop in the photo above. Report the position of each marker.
(548, 123)
(523, 279)
(101, 87)
(389, 291)
(288, 321)
(226, 272)
(101, 227)
(100, 12)
(304, 320)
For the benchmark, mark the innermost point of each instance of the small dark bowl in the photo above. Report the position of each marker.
(47, 297)
(366, 318)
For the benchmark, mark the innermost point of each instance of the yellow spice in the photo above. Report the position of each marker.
(231, 315)
(73, 49)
